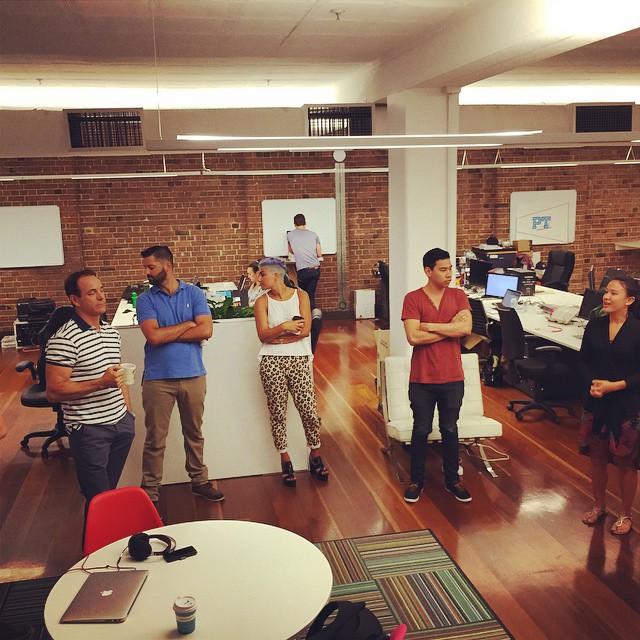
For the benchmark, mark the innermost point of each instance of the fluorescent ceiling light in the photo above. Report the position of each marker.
(202, 142)
(483, 93)
(71, 97)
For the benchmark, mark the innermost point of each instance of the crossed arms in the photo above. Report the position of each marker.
(429, 332)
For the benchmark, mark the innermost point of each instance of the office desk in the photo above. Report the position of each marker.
(236, 429)
(250, 580)
(535, 321)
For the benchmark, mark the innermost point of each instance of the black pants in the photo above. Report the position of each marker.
(308, 281)
(424, 398)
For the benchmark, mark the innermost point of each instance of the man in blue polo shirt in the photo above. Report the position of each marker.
(174, 318)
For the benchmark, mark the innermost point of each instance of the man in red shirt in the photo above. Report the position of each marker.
(435, 317)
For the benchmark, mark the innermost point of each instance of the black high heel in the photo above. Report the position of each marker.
(288, 474)
(317, 468)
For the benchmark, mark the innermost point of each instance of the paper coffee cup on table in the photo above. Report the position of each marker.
(129, 370)
(185, 610)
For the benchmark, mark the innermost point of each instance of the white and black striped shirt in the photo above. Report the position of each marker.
(88, 352)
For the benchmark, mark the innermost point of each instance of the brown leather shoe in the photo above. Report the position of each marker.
(207, 491)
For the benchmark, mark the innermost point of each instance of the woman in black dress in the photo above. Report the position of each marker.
(610, 427)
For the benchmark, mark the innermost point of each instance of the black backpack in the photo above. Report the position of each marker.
(353, 622)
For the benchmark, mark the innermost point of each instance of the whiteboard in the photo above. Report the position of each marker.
(277, 219)
(544, 217)
(30, 237)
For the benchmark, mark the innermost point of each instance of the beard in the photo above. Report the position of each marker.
(159, 279)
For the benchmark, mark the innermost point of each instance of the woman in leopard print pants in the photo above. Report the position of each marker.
(283, 322)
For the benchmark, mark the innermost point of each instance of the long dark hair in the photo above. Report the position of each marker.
(633, 290)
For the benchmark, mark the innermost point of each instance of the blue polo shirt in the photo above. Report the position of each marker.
(175, 359)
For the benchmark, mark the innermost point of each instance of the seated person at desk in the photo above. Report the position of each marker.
(255, 289)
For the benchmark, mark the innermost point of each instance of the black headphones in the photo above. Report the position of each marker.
(140, 548)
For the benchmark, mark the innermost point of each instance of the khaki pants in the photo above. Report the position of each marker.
(158, 399)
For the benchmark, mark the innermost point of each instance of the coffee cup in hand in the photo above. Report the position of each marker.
(129, 371)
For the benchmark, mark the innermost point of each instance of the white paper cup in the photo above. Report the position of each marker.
(129, 370)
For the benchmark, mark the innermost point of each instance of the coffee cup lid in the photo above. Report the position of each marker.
(184, 603)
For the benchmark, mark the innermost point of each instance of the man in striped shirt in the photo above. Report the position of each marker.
(84, 375)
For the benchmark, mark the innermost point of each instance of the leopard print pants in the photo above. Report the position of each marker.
(280, 376)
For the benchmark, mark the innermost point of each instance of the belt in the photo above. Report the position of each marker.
(308, 269)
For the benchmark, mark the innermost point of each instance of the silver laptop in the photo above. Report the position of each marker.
(510, 299)
(105, 596)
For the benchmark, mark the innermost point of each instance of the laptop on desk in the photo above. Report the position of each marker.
(105, 596)
(510, 299)
(498, 283)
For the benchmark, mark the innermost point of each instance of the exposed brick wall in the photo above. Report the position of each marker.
(214, 222)
(607, 208)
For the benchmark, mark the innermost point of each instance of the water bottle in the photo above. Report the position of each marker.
(134, 299)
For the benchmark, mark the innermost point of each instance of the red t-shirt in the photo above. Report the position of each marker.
(440, 362)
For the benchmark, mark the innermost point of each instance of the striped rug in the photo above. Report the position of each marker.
(409, 578)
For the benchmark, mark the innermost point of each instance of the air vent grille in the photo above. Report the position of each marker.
(92, 129)
(611, 117)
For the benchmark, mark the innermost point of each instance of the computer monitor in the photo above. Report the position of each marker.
(478, 270)
(501, 260)
(590, 300)
(498, 283)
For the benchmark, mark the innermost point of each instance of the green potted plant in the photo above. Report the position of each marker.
(225, 310)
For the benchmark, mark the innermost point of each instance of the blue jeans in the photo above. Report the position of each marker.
(100, 452)
(424, 398)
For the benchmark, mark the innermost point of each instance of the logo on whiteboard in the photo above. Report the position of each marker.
(540, 222)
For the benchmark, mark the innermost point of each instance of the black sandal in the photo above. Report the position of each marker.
(317, 468)
(288, 474)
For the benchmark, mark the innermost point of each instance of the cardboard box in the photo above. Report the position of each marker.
(522, 246)
(383, 349)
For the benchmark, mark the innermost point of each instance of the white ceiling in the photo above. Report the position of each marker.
(219, 52)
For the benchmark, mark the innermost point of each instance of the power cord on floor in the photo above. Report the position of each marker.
(504, 456)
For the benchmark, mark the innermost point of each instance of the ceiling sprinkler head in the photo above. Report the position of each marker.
(337, 12)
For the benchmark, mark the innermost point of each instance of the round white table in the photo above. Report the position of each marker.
(251, 581)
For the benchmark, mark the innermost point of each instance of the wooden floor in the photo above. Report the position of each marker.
(520, 541)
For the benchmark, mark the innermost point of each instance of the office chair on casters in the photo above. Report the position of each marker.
(540, 370)
(116, 514)
(559, 269)
(36, 396)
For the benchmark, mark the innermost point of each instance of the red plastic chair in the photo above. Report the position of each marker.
(117, 514)
(399, 632)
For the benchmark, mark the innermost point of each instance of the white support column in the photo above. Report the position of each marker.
(422, 195)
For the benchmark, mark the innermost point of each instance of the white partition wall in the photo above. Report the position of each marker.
(236, 422)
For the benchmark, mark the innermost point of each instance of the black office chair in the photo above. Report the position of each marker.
(479, 320)
(36, 396)
(611, 273)
(383, 272)
(559, 269)
(541, 371)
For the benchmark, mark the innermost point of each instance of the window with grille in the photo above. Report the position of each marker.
(610, 117)
(105, 129)
(340, 121)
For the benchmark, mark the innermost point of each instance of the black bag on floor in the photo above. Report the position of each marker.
(353, 622)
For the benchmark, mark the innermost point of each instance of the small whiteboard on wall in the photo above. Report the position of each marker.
(544, 217)
(277, 219)
(30, 237)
